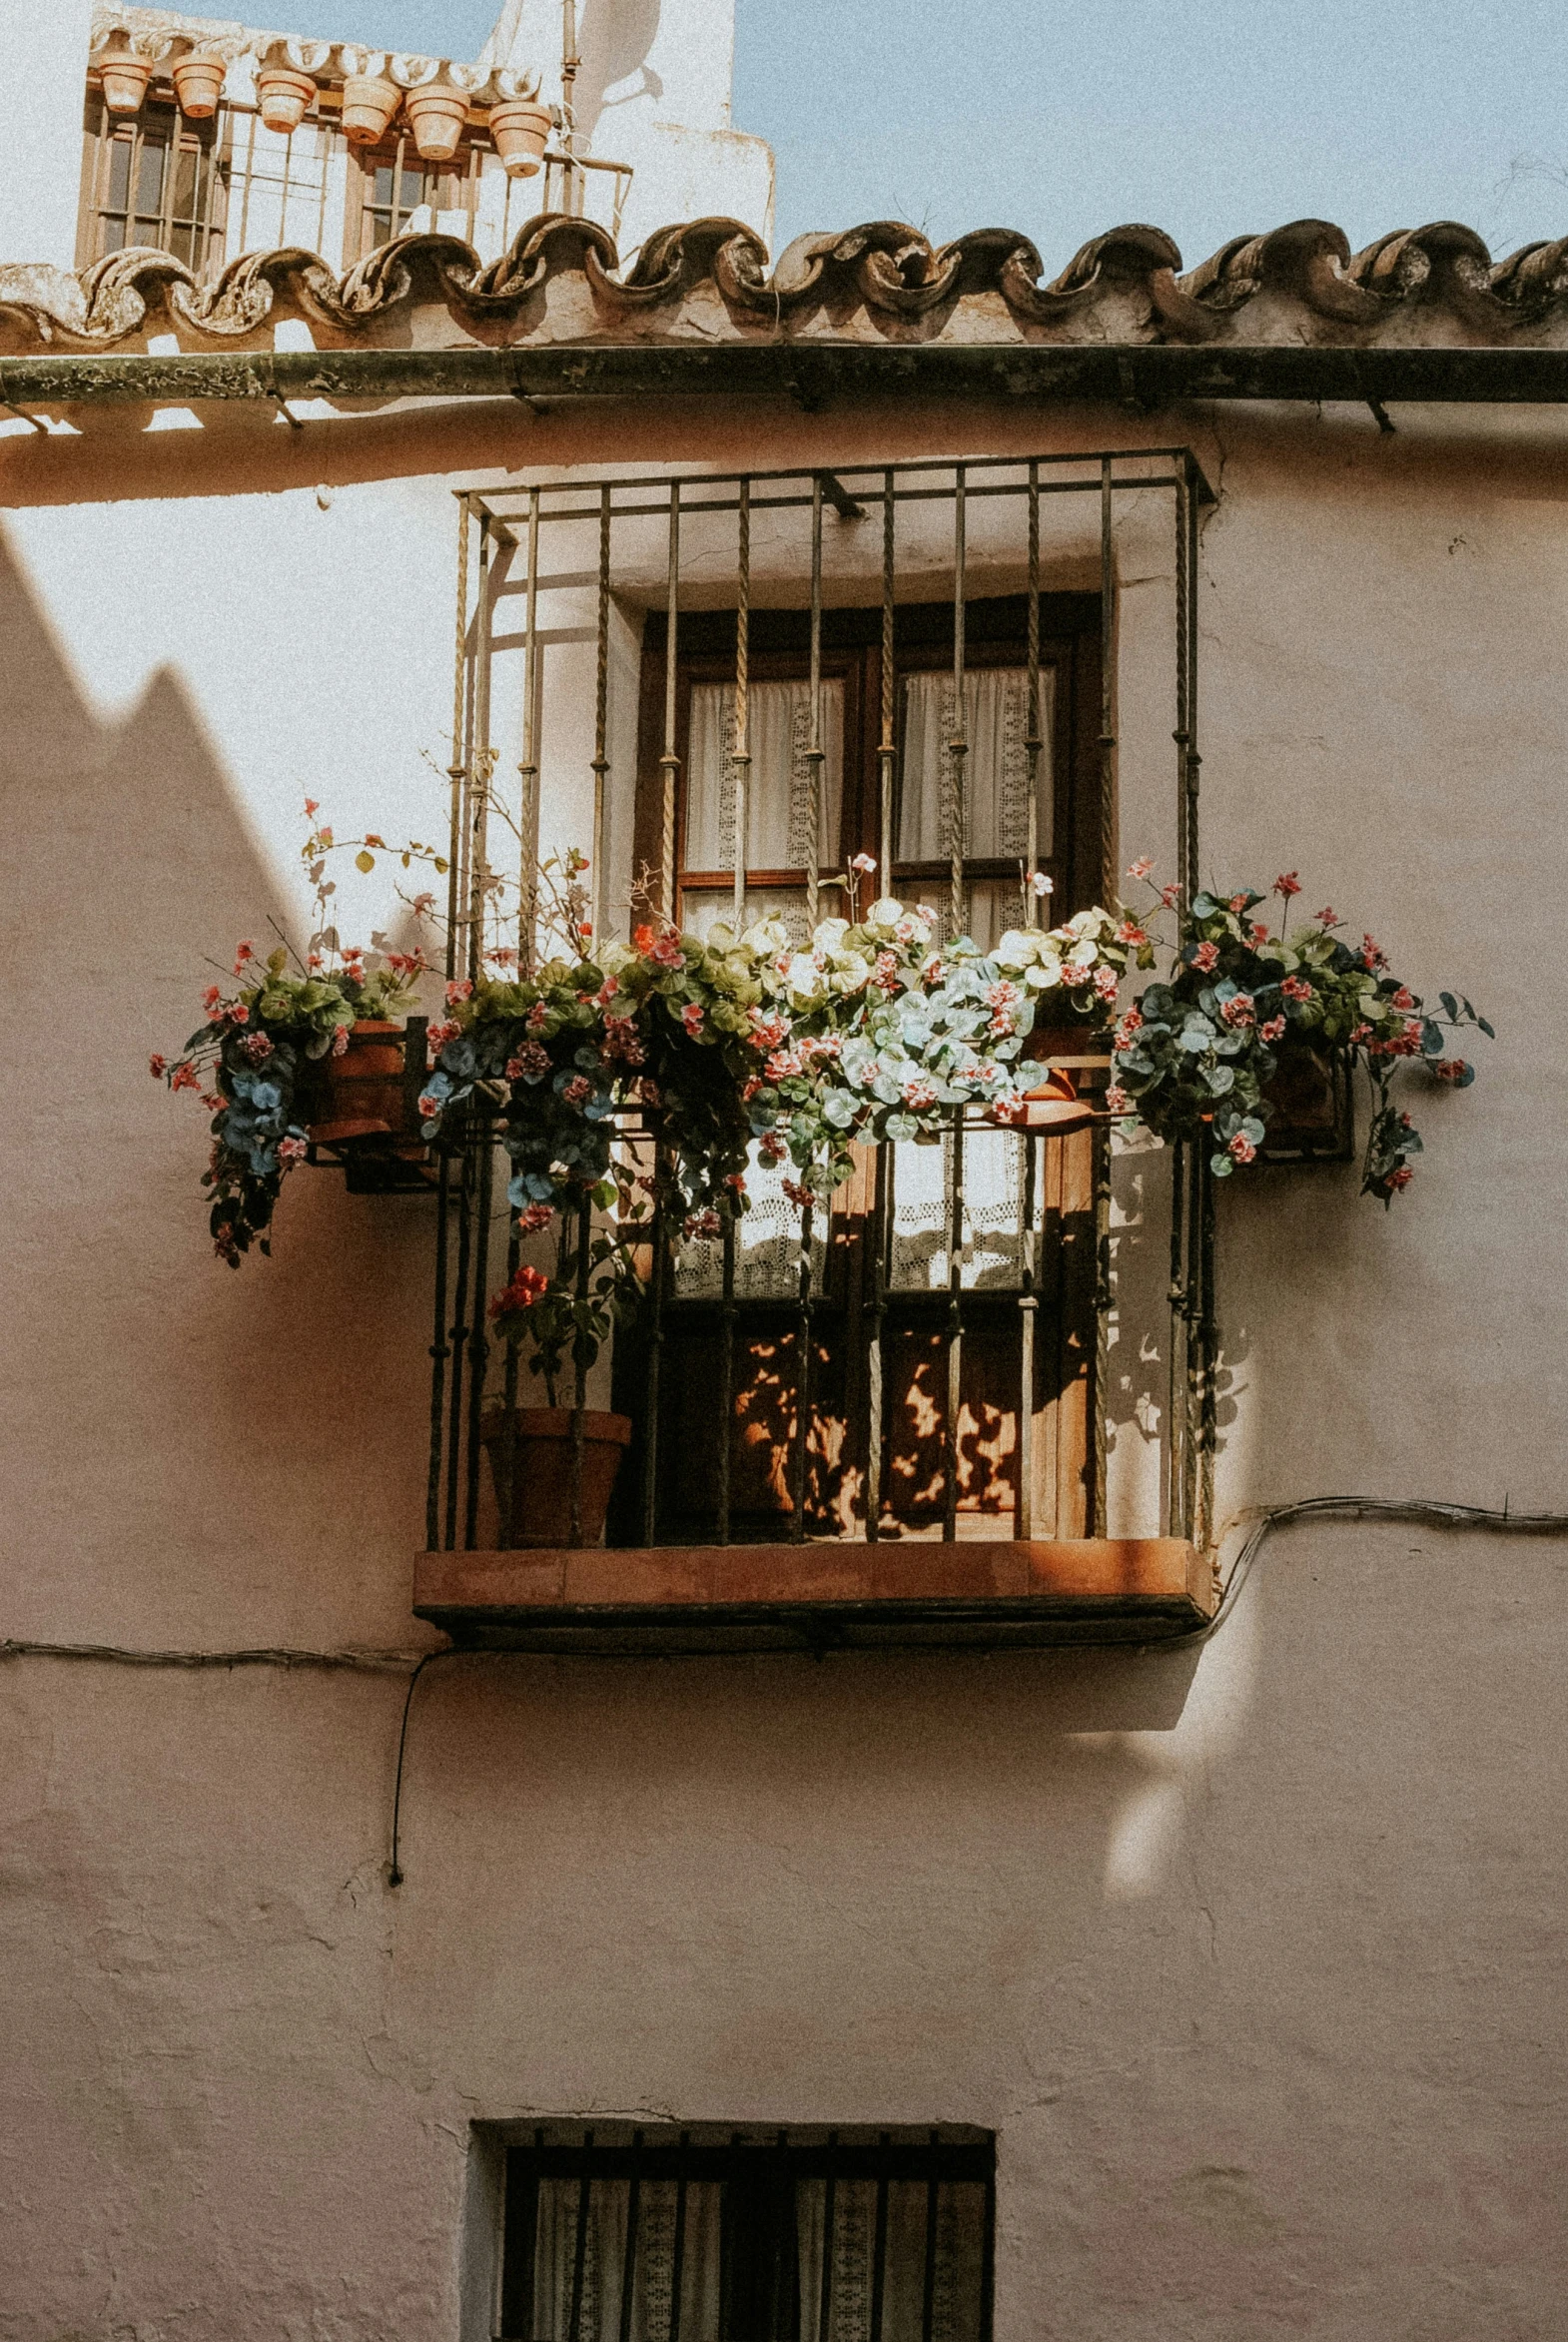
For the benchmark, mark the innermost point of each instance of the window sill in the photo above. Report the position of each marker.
(1093, 1590)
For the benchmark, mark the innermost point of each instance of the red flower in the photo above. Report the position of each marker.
(1450, 1068)
(578, 1089)
(526, 1287)
(1129, 933)
(1117, 1099)
(291, 1150)
(1327, 917)
(1296, 987)
(1205, 956)
(534, 1215)
(1403, 999)
(238, 1014)
(1240, 902)
(1142, 867)
(1287, 884)
(461, 988)
(184, 1078)
(691, 1018)
(157, 1066)
(1401, 1177)
(1131, 1023)
(1240, 1011)
(1241, 1148)
(1274, 1030)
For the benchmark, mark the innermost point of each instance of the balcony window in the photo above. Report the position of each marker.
(152, 179)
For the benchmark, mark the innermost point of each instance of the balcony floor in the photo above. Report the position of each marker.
(817, 1597)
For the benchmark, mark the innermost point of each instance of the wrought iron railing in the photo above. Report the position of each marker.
(500, 538)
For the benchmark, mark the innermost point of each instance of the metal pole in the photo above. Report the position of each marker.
(955, 1333)
(814, 753)
(887, 752)
(1102, 1135)
(1033, 741)
(728, 1313)
(740, 757)
(528, 939)
(669, 762)
(878, 1315)
(1028, 1312)
(579, 1361)
(957, 746)
(601, 693)
(802, 1380)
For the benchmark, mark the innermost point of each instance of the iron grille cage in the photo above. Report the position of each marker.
(708, 2233)
(598, 533)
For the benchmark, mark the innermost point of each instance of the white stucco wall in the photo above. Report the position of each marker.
(1250, 1960)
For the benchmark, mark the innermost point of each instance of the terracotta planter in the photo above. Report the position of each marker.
(543, 1455)
(360, 1095)
(125, 79)
(198, 84)
(437, 116)
(519, 128)
(369, 102)
(284, 95)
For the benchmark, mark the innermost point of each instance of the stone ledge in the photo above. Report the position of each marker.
(818, 1597)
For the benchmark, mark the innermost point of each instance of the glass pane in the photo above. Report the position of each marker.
(184, 163)
(604, 2257)
(150, 180)
(381, 191)
(993, 1211)
(996, 767)
(117, 198)
(778, 793)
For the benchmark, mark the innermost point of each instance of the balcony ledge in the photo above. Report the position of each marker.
(830, 1596)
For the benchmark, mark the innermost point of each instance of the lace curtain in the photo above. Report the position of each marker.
(996, 769)
(778, 811)
(958, 2273)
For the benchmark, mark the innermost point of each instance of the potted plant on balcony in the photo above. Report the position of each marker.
(1248, 1021)
(263, 1064)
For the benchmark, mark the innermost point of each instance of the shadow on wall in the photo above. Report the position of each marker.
(616, 63)
(194, 1455)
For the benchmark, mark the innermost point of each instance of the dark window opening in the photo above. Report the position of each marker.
(708, 2234)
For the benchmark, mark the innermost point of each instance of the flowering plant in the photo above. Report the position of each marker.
(1195, 1054)
(876, 1031)
(248, 1064)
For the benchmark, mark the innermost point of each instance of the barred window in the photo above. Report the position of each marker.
(398, 193)
(708, 2234)
(152, 178)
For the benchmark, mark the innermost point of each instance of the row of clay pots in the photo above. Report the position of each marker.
(438, 112)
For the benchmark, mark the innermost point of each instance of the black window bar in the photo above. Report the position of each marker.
(500, 532)
(708, 2233)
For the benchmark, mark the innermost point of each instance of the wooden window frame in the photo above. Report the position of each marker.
(399, 151)
(103, 132)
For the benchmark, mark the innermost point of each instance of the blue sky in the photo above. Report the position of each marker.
(1213, 118)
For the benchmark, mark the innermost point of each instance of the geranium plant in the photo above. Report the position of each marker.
(249, 1060)
(1195, 1054)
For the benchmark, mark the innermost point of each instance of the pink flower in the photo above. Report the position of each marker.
(1287, 884)
(864, 862)
(503, 955)
(772, 1147)
(422, 905)
(325, 835)
(314, 960)
(919, 1094)
(1296, 987)
(1327, 917)
(1002, 996)
(238, 1014)
(1450, 1068)
(460, 989)
(532, 1060)
(244, 952)
(291, 1150)
(1105, 983)
(1142, 867)
(184, 1077)
(340, 1041)
(414, 962)
(212, 1102)
(691, 1018)
(885, 974)
(1131, 1023)
(701, 1223)
(1170, 895)
(429, 1107)
(1403, 999)
(784, 1064)
(258, 1048)
(210, 998)
(1240, 902)
(1240, 1011)
(767, 1032)
(577, 1090)
(1401, 1177)
(533, 1217)
(1129, 933)
(1241, 1148)
(1274, 1030)
(1207, 957)
(1117, 1099)
(311, 807)
(735, 1182)
(437, 1036)
(157, 1067)
(1259, 932)
(800, 1197)
(606, 991)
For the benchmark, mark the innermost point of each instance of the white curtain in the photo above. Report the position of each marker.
(778, 789)
(996, 769)
(603, 2259)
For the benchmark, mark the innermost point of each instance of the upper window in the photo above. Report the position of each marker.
(614, 2234)
(152, 178)
(396, 193)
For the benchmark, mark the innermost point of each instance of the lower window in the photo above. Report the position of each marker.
(711, 2234)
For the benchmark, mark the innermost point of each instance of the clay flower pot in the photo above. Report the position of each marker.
(283, 94)
(369, 102)
(125, 79)
(519, 128)
(436, 114)
(361, 1094)
(198, 84)
(542, 1456)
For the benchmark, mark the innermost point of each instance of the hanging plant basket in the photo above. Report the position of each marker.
(540, 1452)
(519, 128)
(198, 84)
(284, 95)
(369, 102)
(360, 1110)
(125, 79)
(438, 114)
(1313, 1118)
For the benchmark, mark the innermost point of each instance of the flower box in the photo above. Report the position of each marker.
(361, 1110)
(1313, 1110)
